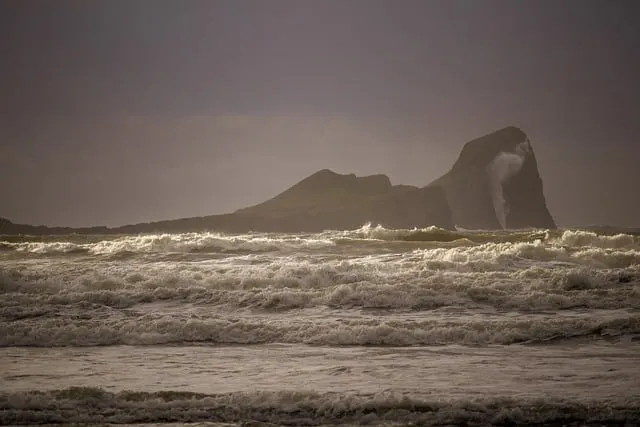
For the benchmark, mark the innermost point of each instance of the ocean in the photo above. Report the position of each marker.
(369, 326)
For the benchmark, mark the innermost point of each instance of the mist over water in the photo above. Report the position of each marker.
(363, 326)
(503, 167)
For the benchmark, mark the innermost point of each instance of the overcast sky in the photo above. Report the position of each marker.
(115, 112)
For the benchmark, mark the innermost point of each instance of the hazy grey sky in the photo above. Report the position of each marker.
(116, 112)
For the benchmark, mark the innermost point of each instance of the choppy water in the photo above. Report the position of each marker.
(370, 326)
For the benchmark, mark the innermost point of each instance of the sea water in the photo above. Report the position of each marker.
(368, 326)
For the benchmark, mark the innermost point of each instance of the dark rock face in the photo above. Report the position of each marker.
(323, 201)
(327, 200)
(495, 184)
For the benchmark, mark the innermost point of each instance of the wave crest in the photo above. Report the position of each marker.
(151, 330)
(186, 242)
(95, 405)
(262, 242)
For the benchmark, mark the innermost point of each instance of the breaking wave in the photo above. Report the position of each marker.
(532, 289)
(52, 300)
(151, 329)
(579, 238)
(259, 242)
(186, 242)
(366, 287)
(95, 405)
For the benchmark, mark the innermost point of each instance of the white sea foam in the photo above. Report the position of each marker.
(584, 238)
(103, 327)
(187, 242)
(216, 242)
(545, 274)
(94, 405)
(75, 300)
(378, 232)
(332, 291)
(530, 289)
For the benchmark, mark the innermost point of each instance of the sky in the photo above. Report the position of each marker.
(124, 111)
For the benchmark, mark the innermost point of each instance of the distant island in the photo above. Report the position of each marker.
(494, 184)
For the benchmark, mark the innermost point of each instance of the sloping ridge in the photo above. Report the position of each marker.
(495, 184)
(325, 200)
(328, 200)
(323, 188)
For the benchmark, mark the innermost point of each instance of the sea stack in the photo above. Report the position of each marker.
(495, 184)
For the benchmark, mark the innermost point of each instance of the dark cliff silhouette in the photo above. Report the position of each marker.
(494, 184)
(328, 200)
(323, 201)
